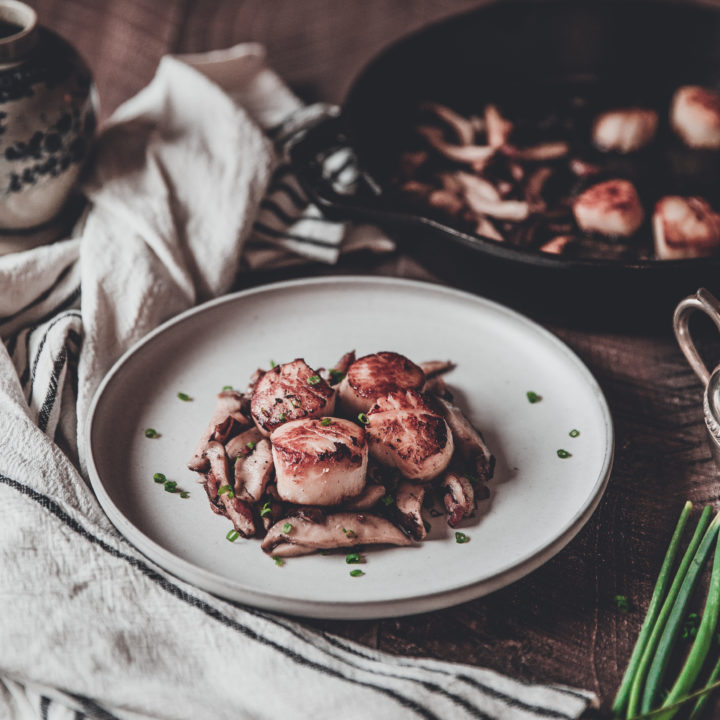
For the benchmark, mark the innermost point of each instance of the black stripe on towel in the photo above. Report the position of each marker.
(485, 689)
(40, 298)
(49, 403)
(272, 207)
(44, 707)
(53, 508)
(272, 232)
(27, 375)
(296, 198)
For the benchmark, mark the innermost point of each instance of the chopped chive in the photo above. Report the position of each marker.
(563, 454)
(356, 573)
(184, 494)
(266, 509)
(295, 403)
(336, 376)
(227, 387)
(363, 418)
(279, 561)
(226, 489)
(314, 380)
(387, 500)
(435, 513)
(151, 433)
(325, 552)
(265, 412)
(326, 421)
(461, 538)
(353, 558)
(349, 533)
(170, 486)
(251, 446)
(232, 535)
(184, 397)
(287, 527)
(574, 433)
(159, 478)
(533, 397)
(283, 418)
(272, 363)
(472, 478)
(621, 603)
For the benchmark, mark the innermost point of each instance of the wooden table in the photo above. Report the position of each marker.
(560, 624)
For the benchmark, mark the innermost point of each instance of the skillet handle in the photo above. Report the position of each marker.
(363, 201)
(706, 302)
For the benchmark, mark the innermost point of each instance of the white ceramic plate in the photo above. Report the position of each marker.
(539, 501)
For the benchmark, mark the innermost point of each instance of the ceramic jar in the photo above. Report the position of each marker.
(48, 111)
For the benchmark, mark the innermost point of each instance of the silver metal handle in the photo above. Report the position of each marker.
(707, 303)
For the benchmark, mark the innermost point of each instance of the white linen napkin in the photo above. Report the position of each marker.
(184, 185)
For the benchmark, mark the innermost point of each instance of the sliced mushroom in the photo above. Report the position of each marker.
(253, 471)
(515, 210)
(498, 128)
(469, 441)
(408, 508)
(436, 386)
(685, 228)
(445, 201)
(228, 402)
(411, 161)
(339, 530)
(369, 498)
(431, 368)
(477, 156)
(624, 130)
(461, 126)
(610, 208)
(582, 168)
(458, 496)
(695, 116)
(557, 245)
(241, 444)
(538, 153)
(236, 509)
(478, 186)
(534, 188)
(486, 229)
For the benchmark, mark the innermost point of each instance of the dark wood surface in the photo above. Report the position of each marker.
(560, 624)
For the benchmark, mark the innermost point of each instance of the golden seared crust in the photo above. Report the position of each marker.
(380, 373)
(290, 392)
(610, 208)
(406, 431)
(319, 462)
(685, 227)
(695, 116)
(310, 442)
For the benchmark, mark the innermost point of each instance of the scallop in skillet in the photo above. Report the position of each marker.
(405, 431)
(319, 461)
(373, 376)
(290, 392)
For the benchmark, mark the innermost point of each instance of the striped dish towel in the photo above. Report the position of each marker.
(185, 186)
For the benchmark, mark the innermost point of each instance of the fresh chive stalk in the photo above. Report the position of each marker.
(697, 695)
(711, 684)
(704, 638)
(623, 694)
(638, 683)
(656, 673)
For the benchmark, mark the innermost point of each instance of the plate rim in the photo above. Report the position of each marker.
(207, 580)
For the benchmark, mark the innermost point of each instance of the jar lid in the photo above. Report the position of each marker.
(18, 30)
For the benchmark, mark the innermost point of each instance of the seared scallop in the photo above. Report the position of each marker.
(405, 431)
(695, 116)
(685, 228)
(319, 461)
(374, 375)
(624, 130)
(290, 392)
(610, 208)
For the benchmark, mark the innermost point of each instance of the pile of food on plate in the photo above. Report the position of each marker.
(583, 177)
(322, 459)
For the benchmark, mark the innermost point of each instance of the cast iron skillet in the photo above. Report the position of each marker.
(638, 50)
